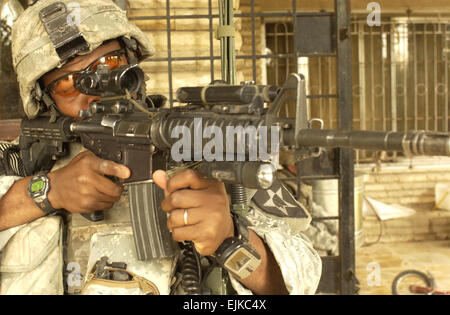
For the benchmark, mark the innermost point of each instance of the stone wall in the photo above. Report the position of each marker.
(411, 185)
(405, 182)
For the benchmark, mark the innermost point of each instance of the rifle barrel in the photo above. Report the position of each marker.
(411, 143)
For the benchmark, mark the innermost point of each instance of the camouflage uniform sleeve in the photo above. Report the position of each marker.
(6, 183)
(300, 264)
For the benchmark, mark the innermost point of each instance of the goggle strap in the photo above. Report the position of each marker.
(47, 99)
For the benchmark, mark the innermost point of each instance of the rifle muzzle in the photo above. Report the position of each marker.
(412, 143)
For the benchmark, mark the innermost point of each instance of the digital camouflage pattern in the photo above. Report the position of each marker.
(32, 259)
(34, 54)
(299, 262)
(118, 245)
(323, 235)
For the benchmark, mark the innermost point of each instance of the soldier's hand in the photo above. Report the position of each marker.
(81, 186)
(209, 220)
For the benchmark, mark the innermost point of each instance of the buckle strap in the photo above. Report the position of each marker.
(62, 30)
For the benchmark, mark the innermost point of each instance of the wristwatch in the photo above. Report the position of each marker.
(38, 188)
(236, 255)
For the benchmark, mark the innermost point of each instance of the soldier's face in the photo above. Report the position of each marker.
(69, 103)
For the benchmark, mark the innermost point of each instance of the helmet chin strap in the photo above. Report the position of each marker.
(51, 105)
(131, 47)
(46, 103)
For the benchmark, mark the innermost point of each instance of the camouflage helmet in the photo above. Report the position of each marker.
(36, 50)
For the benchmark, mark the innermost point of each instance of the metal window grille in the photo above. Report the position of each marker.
(252, 55)
(400, 70)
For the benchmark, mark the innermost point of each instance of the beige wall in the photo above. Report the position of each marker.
(190, 38)
(440, 6)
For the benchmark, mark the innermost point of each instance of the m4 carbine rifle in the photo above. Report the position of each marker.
(124, 130)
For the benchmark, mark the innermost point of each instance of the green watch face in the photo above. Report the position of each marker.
(37, 186)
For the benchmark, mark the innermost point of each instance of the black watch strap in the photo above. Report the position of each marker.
(235, 254)
(226, 248)
(238, 257)
(46, 206)
(240, 227)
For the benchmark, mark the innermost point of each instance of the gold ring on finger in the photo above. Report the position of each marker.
(185, 216)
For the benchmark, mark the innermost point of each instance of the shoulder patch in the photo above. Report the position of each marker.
(279, 202)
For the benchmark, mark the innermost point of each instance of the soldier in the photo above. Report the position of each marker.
(47, 59)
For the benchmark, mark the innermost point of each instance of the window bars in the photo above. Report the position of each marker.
(254, 57)
(401, 74)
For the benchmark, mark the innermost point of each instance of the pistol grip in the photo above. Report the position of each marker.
(95, 216)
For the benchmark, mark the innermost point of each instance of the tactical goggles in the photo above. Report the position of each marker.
(64, 86)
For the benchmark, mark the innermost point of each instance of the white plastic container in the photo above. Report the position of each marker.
(326, 194)
(442, 196)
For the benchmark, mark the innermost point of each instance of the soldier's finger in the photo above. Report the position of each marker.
(82, 155)
(106, 198)
(184, 217)
(182, 199)
(159, 177)
(107, 187)
(187, 179)
(204, 248)
(186, 233)
(110, 168)
(90, 200)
